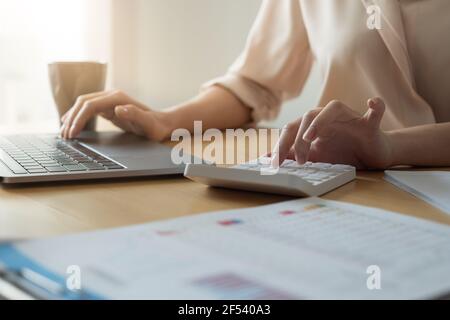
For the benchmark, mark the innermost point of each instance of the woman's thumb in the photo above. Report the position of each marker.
(129, 112)
(376, 111)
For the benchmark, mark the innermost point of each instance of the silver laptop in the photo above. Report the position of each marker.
(42, 158)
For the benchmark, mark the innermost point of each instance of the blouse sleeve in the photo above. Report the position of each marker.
(275, 63)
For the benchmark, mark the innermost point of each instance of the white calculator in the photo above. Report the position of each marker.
(308, 180)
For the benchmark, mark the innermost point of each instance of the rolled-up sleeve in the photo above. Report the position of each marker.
(275, 63)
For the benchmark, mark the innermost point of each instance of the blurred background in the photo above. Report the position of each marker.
(158, 51)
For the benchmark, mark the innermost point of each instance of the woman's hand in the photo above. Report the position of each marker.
(336, 134)
(120, 109)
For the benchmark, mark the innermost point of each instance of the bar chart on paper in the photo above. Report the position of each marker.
(308, 248)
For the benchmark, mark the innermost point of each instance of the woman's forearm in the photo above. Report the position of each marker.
(427, 145)
(215, 107)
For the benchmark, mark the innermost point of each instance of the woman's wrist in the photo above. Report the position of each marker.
(396, 149)
(177, 117)
(216, 108)
(167, 120)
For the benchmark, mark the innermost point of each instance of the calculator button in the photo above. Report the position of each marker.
(265, 161)
(342, 167)
(288, 163)
(322, 166)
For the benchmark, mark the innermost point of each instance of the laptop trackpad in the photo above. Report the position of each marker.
(128, 149)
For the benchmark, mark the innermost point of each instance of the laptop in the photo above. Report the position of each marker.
(94, 155)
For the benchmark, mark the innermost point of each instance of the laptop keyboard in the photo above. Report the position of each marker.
(33, 155)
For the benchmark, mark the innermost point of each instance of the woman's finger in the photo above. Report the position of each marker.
(330, 113)
(291, 154)
(285, 143)
(64, 117)
(62, 129)
(81, 99)
(302, 147)
(138, 119)
(375, 113)
(123, 124)
(91, 108)
(71, 114)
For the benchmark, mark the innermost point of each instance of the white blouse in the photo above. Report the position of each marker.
(427, 26)
(406, 62)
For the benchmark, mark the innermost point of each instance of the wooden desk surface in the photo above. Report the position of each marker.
(54, 209)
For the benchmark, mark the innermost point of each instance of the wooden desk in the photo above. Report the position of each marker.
(54, 209)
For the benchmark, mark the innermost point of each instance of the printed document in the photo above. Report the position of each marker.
(301, 249)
